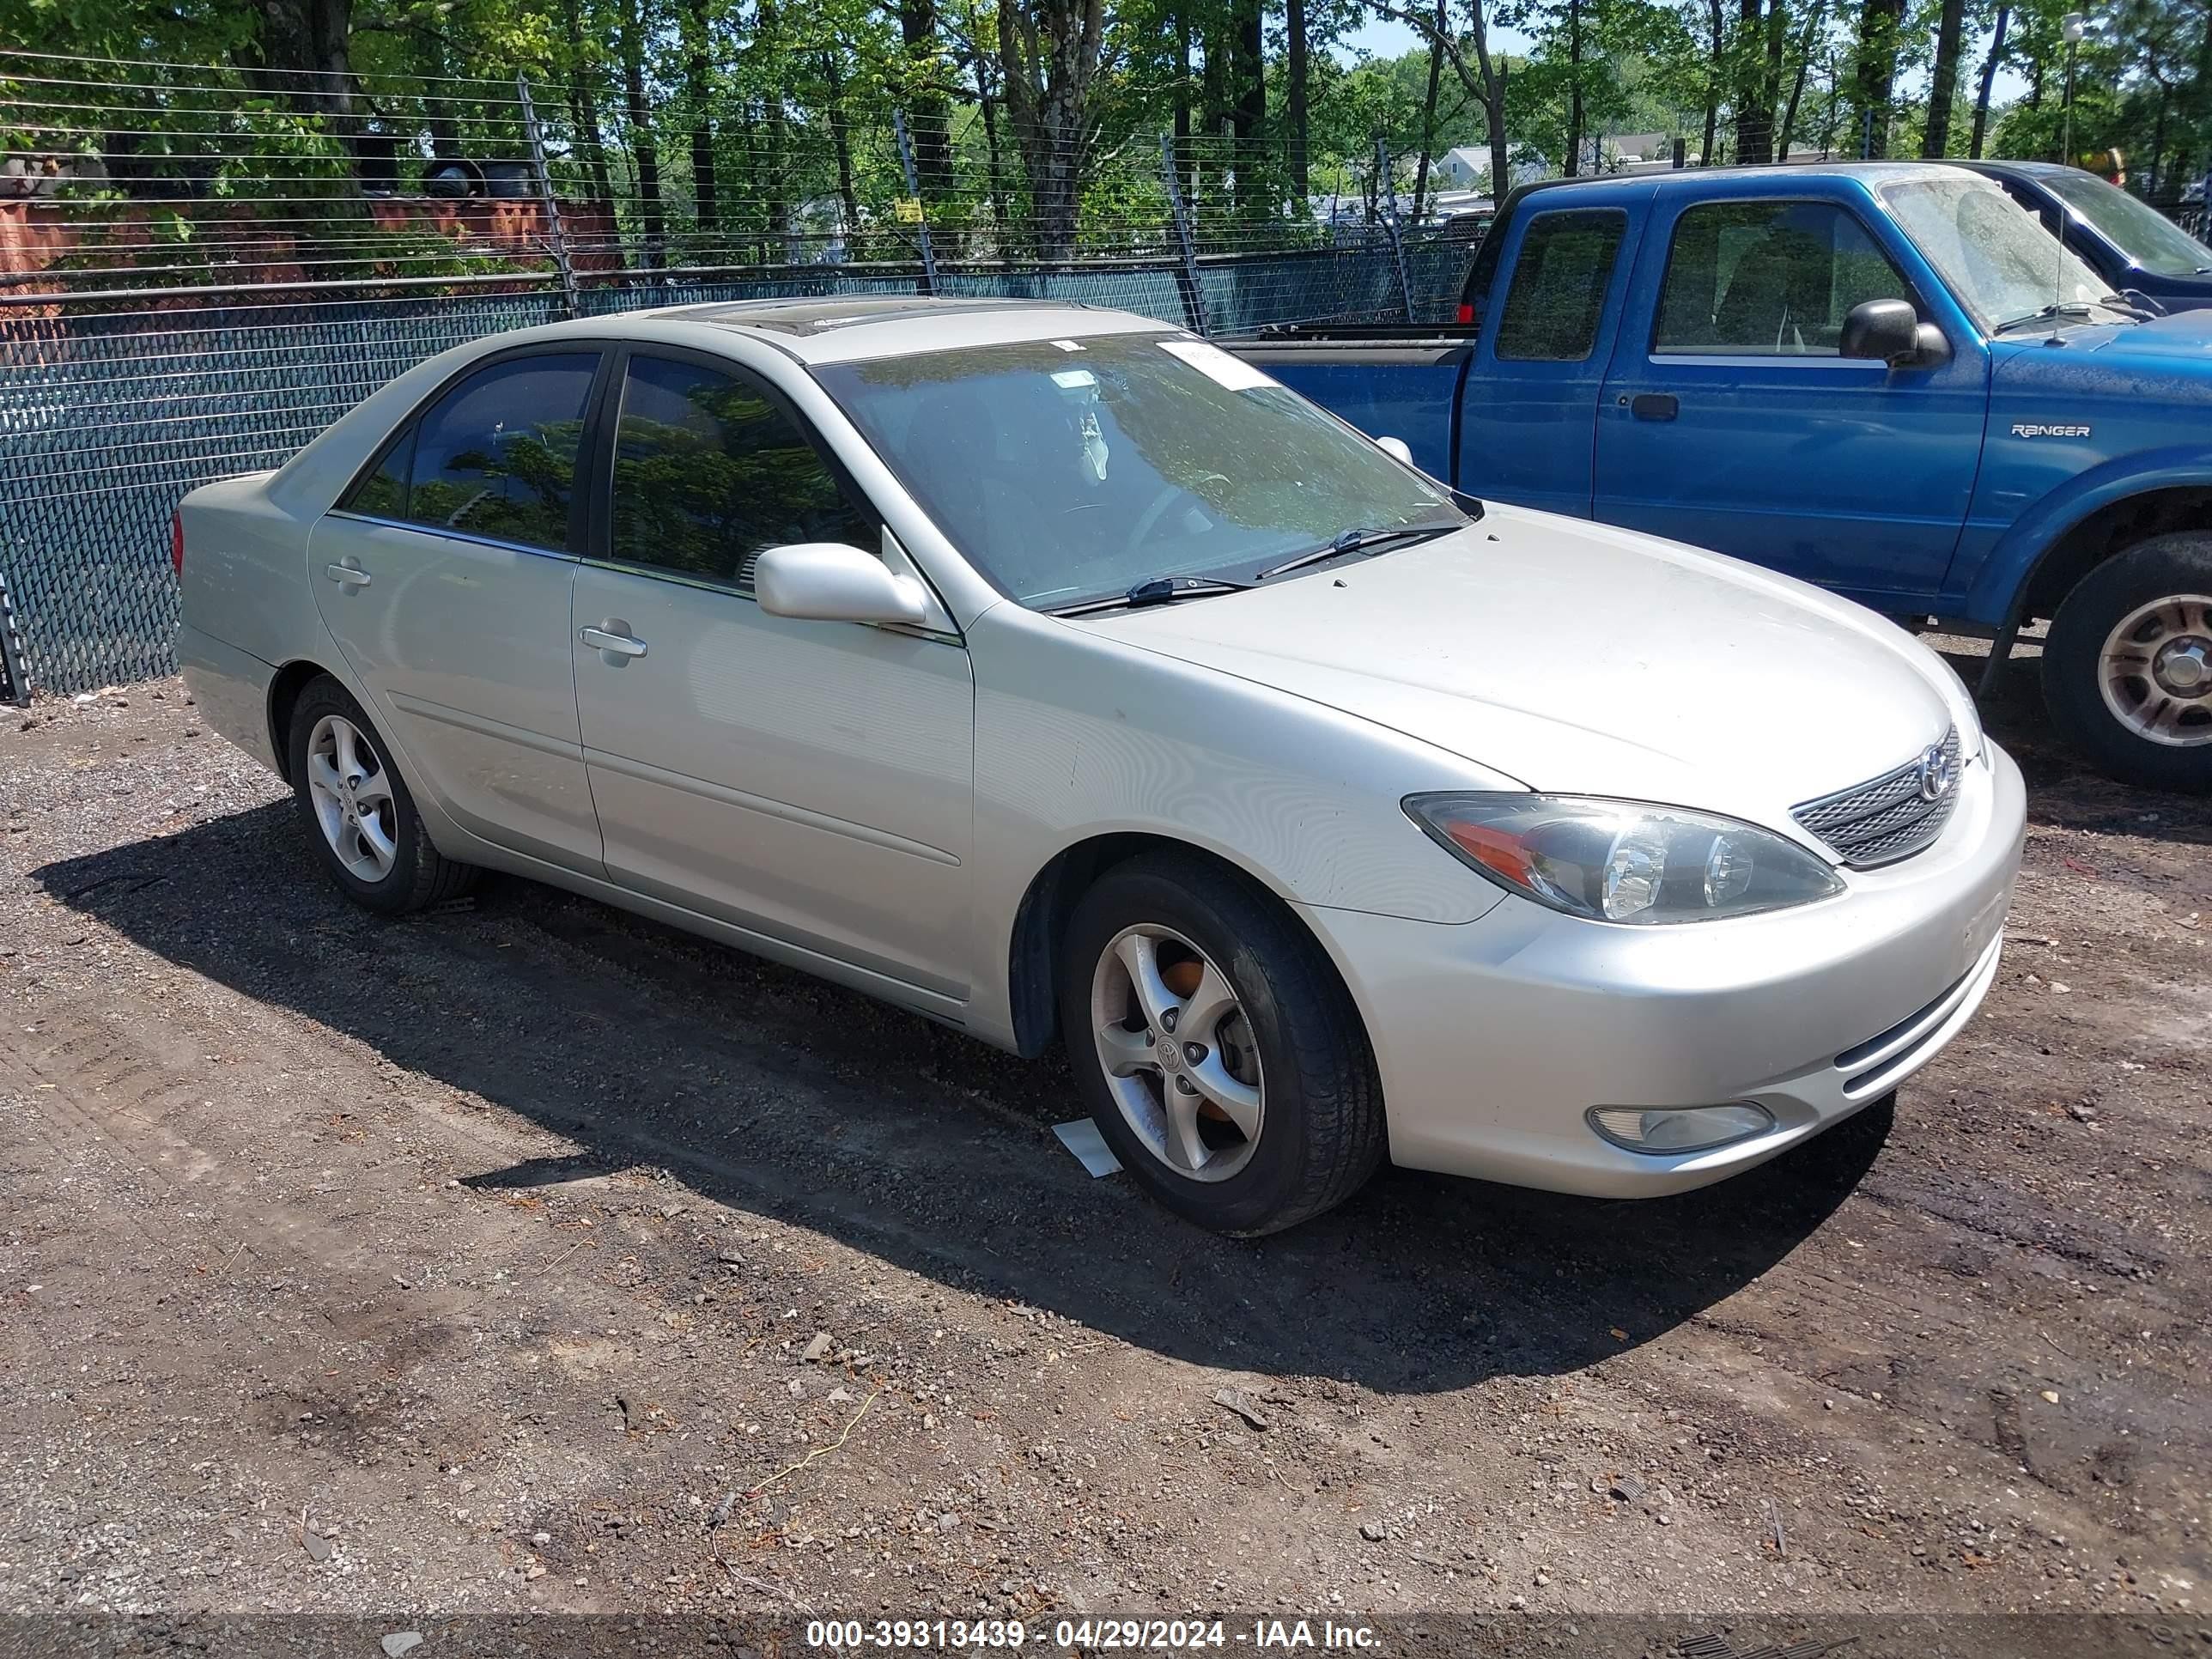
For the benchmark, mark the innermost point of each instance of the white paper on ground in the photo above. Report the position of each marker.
(1082, 1138)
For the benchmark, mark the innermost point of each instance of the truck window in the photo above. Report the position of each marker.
(1557, 296)
(1768, 279)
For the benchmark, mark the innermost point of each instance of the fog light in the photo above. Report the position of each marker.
(1679, 1128)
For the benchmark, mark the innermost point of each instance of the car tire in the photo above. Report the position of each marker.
(2149, 607)
(1287, 1053)
(358, 814)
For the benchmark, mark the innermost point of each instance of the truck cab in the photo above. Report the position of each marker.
(1883, 378)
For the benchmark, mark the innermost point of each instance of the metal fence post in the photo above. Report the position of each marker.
(1194, 295)
(559, 242)
(928, 283)
(1390, 225)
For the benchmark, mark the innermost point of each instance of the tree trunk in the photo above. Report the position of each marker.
(775, 200)
(696, 92)
(1718, 23)
(1574, 163)
(1875, 76)
(584, 107)
(303, 46)
(1294, 74)
(1812, 22)
(1429, 112)
(1943, 80)
(1048, 60)
(641, 134)
(928, 127)
(1754, 109)
(1989, 79)
(1248, 114)
(841, 136)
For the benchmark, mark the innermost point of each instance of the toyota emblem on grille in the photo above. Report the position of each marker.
(1936, 773)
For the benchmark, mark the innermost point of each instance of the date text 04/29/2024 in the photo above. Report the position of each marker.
(1091, 1635)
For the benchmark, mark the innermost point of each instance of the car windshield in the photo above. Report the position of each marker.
(2150, 241)
(1072, 470)
(1996, 255)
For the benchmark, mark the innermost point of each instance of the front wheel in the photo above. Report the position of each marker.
(1221, 1058)
(2127, 669)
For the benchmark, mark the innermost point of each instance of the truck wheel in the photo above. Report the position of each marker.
(1221, 1057)
(357, 811)
(2127, 670)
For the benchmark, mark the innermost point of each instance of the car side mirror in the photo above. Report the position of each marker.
(1891, 331)
(1396, 449)
(829, 582)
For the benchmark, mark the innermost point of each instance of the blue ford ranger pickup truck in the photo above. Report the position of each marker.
(1885, 378)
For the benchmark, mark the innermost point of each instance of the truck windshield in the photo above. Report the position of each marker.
(2150, 241)
(1081, 469)
(1995, 256)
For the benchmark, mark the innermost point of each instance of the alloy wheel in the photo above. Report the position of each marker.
(1178, 1053)
(351, 789)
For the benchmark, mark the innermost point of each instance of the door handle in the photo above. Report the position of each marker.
(612, 638)
(1655, 406)
(347, 575)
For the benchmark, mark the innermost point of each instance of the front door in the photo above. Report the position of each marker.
(444, 574)
(1730, 420)
(813, 781)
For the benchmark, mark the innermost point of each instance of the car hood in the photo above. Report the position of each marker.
(1575, 658)
(2182, 339)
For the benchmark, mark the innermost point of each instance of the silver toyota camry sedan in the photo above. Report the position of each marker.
(1051, 673)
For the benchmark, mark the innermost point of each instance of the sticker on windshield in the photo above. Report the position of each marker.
(1217, 365)
(1074, 380)
(1068, 345)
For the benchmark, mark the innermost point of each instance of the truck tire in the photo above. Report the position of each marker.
(1220, 1056)
(357, 811)
(2127, 669)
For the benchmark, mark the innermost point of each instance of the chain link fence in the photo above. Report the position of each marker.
(200, 271)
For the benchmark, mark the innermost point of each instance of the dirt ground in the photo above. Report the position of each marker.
(469, 1263)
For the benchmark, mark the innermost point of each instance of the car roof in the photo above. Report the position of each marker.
(824, 329)
(1682, 178)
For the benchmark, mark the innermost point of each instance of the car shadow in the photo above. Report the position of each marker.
(775, 1093)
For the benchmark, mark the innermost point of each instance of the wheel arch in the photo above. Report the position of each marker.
(284, 690)
(1041, 922)
(2061, 540)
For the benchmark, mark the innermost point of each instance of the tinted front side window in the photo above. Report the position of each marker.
(1769, 279)
(496, 456)
(709, 474)
(1557, 296)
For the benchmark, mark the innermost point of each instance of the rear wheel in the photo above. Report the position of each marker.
(357, 811)
(1221, 1058)
(2127, 670)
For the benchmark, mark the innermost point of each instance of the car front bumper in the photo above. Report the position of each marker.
(1495, 1037)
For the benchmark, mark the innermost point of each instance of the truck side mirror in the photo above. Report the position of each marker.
(1891, 331)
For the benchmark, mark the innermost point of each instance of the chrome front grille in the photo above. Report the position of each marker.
(1888, 818)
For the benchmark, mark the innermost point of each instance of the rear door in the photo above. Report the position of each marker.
(1730, 420)
(444, 575)
(809, 780)
(1528, 408)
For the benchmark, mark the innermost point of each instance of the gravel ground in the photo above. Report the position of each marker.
(527, 1255)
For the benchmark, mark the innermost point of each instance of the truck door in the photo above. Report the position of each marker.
(1530, 402)
(1730, 420)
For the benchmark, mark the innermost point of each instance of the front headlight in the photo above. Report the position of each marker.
(1612, 860)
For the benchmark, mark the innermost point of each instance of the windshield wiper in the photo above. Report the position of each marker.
(2047, 314)
(1357, 540)
(1153, 590)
